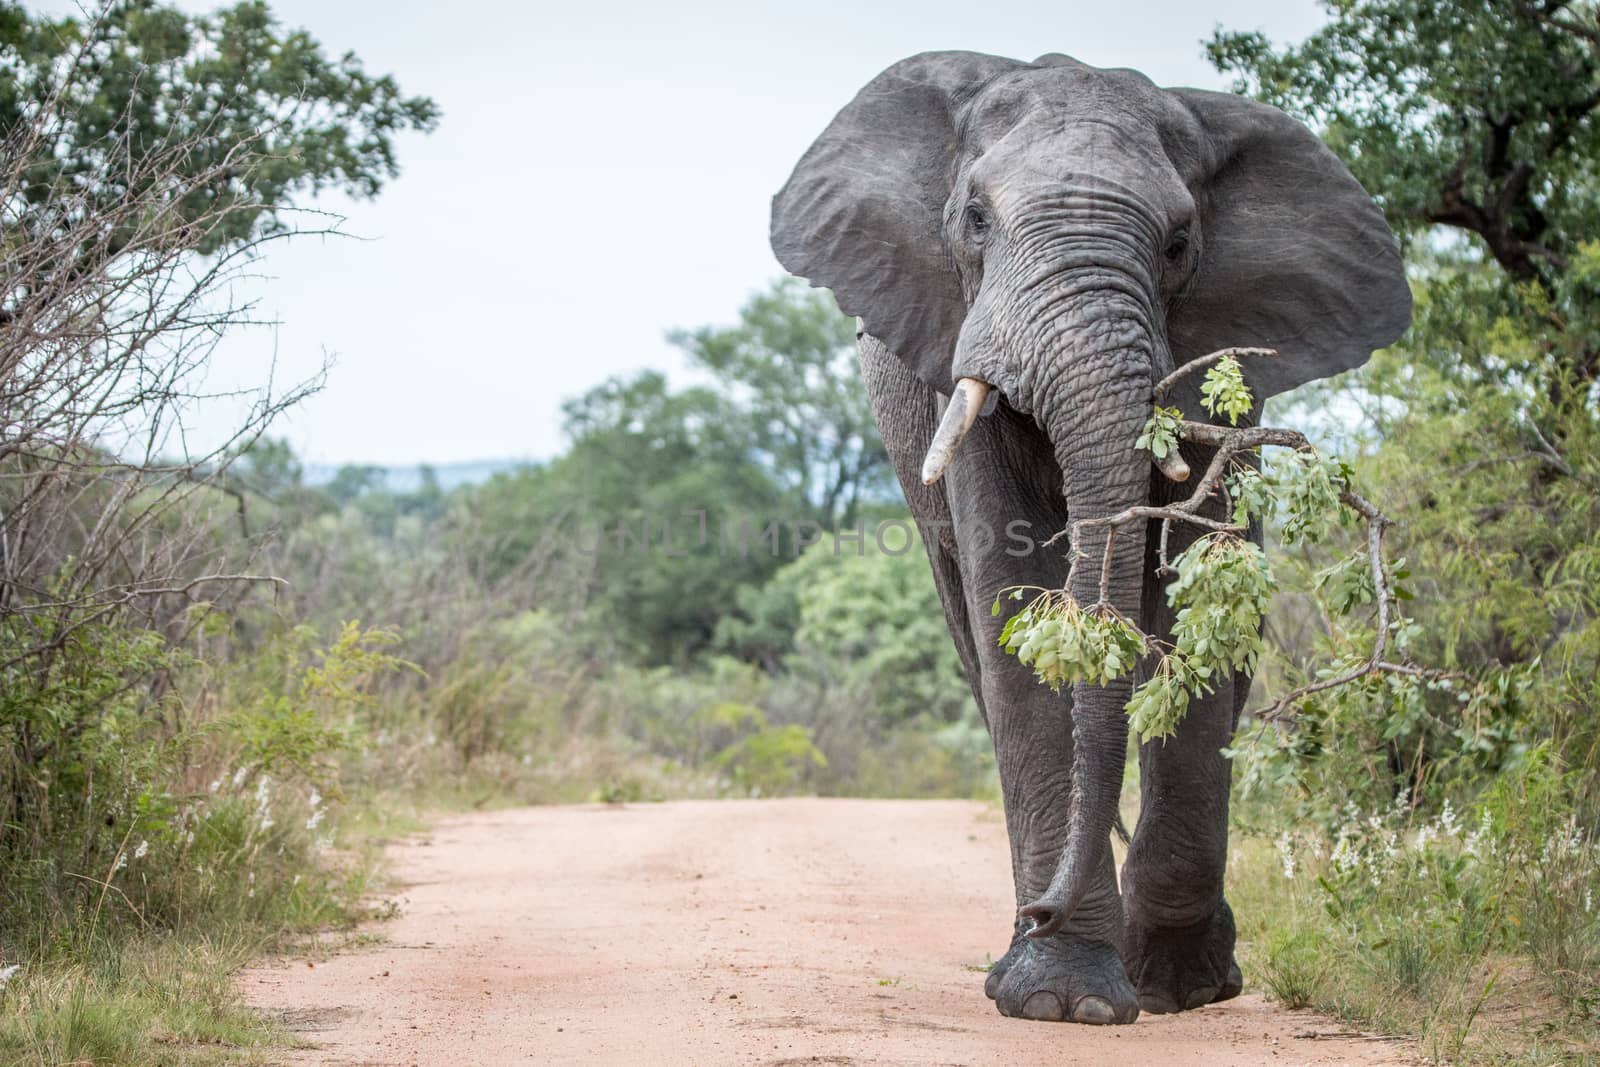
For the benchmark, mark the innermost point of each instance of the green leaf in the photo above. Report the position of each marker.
(1160, 434)
(1224, 391)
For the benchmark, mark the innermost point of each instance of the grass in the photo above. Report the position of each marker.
(152, 1000)
(116, 991)
(1442, 962)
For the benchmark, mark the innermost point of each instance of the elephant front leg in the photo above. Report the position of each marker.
(1179, 937)
(1179, 929)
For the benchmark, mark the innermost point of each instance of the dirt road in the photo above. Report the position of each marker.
(723, 932)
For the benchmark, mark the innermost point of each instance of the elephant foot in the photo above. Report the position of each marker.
(1064, 978)
(1175, 969)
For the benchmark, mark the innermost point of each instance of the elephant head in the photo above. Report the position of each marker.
(1066, 235)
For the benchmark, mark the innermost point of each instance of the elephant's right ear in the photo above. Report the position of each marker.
(862, 213)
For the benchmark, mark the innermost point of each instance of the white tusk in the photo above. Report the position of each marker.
(1173, 466)
(965, 404)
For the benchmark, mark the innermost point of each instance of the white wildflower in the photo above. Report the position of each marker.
(1569, 840)
(6, 973)
(316, 818)
(1588, 900)
(1480, 842)
(1449, 824)
(238, 776)
(142, 851)
(216, 784)
(1286, 850)
(316, 797)
(122, 861)
(1424, 834)
(264, 803)
(1345, 858)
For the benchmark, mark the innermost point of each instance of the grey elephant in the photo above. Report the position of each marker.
(1039, 243)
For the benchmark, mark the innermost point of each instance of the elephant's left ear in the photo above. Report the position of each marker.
(1294, 253)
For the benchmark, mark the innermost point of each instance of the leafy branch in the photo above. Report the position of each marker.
(1222, 581)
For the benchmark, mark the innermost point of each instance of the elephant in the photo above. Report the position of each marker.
(1028, 247)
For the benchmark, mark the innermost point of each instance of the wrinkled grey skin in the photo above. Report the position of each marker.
(1071, 234)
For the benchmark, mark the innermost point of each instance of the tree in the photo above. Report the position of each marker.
(1474, 124)
(225, 120)
(146, 156)
(353, 480)
(1476, 115)
(735, 476)
(640, 504)
(790, 367)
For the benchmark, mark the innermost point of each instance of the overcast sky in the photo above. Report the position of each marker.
(601, 175)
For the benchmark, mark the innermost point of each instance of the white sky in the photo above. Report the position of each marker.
(602, 174)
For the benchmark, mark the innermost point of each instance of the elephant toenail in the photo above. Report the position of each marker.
(1198, 997)
(1094, 1010)
(991, 984)
(1156, 1005)
(1042, 1005)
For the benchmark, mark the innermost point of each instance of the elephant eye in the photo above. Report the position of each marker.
(977, 221)
(1177, 245)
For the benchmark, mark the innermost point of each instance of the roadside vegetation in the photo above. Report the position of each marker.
(1420, 858)
(224, 685)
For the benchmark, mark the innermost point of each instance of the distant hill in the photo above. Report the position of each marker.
(407, 479)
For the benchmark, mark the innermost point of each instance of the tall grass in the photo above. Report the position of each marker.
(1476, 930)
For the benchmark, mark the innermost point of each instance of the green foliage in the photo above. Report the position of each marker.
(1159, 704)
(1408, 922)
(1294, 968)
(789, 367)
(635, 514)
(262, 108)
(164, 1001)
(1471, 115)
(1311, 486)
(1066, 644)
(1160, 434)
(1252, 495)
(1482, 438)
(112, 828)
(301, 720)
(1223, 392)
(675, 505)
(1221, 592)
(871, 625)
(767, 759)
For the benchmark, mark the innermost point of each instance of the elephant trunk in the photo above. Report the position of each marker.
(1093, 408)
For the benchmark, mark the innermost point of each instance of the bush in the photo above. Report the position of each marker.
(1419, 924)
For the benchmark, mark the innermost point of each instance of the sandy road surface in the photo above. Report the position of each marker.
(722, 932)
